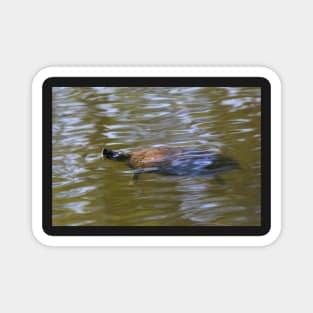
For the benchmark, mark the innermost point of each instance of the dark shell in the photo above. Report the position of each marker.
(181, 161)
(155, 157)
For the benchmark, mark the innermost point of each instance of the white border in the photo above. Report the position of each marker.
(45, 239)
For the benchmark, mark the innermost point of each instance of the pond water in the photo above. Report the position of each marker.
(92, 191)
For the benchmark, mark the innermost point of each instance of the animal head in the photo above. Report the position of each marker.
(109, 154)
(113, 155)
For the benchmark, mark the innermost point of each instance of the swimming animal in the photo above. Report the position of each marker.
(180, 161)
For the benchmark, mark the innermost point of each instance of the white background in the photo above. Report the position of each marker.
(36, 34)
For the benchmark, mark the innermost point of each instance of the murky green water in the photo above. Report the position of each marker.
(88, 190)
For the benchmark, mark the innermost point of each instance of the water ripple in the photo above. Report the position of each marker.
(88, 190)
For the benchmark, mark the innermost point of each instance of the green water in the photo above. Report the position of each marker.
(89, 190)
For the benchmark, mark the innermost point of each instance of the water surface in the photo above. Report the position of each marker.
(88, 190)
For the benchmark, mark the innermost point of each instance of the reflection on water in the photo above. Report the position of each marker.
(89, 190)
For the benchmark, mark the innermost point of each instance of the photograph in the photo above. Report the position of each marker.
(156, 156)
